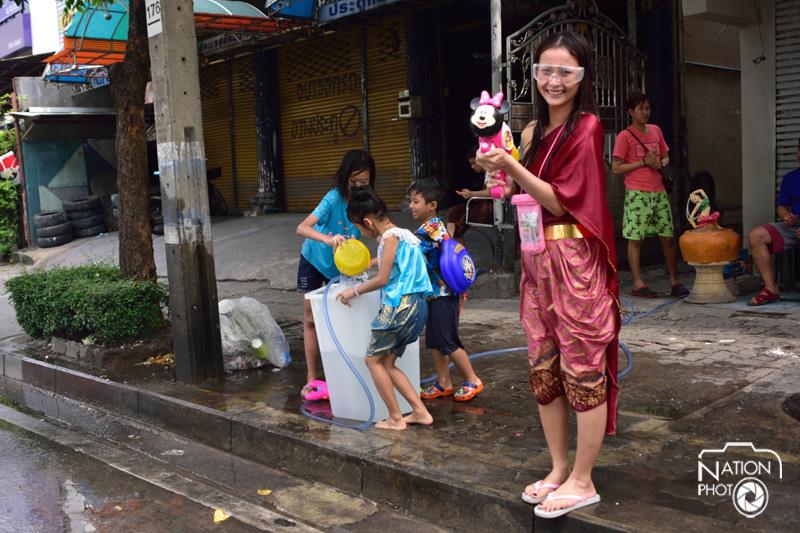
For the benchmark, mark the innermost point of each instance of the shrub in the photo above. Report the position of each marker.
(9, 202)
(92, 300)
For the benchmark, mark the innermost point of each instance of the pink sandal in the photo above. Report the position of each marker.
(580, 502)
(539, 485)
(316, 389)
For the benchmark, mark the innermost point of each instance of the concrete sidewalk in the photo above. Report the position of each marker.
(264, 249)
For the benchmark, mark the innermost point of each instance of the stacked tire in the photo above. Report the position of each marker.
(156, 216)
(86, 216)
(53, 228)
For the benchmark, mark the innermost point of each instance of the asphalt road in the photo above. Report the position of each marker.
(47, 487)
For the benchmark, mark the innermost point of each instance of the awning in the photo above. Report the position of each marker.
(98, 36)
(48, 123)
(13, 67)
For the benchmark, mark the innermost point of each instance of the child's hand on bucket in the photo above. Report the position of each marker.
(346, 295)
(334, 241)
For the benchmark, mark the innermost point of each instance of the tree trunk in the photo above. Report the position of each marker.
(128, 82)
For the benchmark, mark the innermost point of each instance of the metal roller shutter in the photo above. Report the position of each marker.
(388, 136)
(244, 114)
(321, 111)
(214, 102)
(320, 108)
(787, 85)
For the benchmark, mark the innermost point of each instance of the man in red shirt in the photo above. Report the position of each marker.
(640, 153)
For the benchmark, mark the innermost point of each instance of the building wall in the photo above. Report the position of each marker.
(758, 118)
(712, 88)
(60, 170)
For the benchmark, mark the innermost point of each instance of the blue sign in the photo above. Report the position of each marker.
(344, 8)
(291, 8)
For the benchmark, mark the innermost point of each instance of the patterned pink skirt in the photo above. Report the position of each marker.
(569, 318)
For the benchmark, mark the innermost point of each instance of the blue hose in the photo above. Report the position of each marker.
(624, 372)
(347, 361)
(625, 321)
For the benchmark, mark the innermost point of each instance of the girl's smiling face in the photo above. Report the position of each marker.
(554, 91)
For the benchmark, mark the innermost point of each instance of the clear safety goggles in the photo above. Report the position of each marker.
(567, 75)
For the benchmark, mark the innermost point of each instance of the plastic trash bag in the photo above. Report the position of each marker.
(250, 336)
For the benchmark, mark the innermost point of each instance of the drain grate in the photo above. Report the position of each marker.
(792, 406)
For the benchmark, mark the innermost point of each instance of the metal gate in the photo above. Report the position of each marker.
(618, 65)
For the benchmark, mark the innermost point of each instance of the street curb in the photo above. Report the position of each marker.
(40, 386)
(22, 258)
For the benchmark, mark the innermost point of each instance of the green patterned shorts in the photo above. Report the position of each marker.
(647, 214)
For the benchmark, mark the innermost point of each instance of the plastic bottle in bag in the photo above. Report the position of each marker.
(531, 228)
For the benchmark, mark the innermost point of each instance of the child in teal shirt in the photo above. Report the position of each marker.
(404, 279)
(324, 229)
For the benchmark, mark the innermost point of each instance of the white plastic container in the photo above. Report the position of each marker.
(531, 228)
(352, 328)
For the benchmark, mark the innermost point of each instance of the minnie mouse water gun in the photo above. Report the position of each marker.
(488, 125)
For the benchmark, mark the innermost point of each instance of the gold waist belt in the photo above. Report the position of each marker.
(562, 231)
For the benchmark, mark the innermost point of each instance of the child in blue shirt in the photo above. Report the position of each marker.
(441, 332)
(324, 229)
(404, 279)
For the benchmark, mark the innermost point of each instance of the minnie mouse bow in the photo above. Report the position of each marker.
(496, 101)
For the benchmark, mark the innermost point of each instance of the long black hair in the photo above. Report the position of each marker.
(353, 162)
(584, 102)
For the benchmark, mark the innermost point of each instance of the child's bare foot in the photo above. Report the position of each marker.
(423, 418)
(397, 425)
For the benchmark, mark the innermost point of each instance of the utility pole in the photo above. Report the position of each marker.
(497, 45)
(182, 166)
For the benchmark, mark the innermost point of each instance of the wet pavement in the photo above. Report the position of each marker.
(702, 376)
(47, 487)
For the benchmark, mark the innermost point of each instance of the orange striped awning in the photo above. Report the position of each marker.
(86, 51)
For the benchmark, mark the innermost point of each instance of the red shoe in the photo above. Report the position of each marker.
(434, 391)
(764, 297)
(467, 391)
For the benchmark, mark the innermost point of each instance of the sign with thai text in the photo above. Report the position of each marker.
(223, 42)
(344, 8)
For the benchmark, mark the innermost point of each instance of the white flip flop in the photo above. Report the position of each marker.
(580, 502)
(537, 487)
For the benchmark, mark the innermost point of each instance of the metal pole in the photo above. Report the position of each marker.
(497, 46)
(505, 250)
(182, 164)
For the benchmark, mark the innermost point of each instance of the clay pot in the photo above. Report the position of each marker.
(710, 245)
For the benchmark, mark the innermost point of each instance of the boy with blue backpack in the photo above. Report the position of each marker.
(441, 331)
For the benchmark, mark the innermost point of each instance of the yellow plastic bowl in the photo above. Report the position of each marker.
(351, 258)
